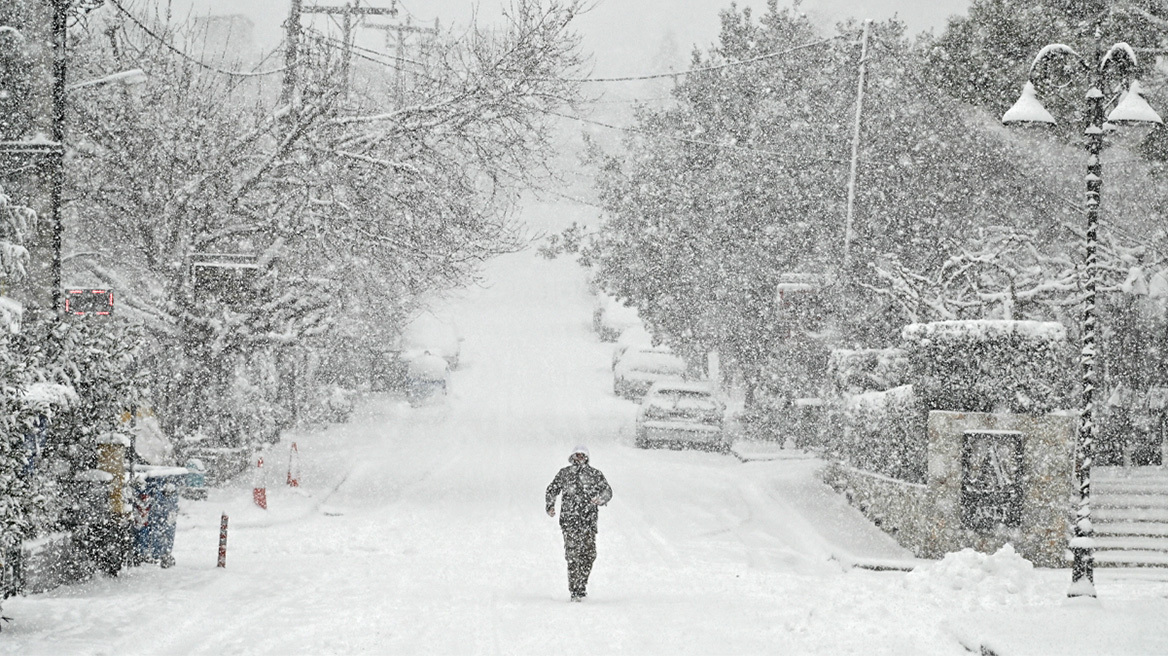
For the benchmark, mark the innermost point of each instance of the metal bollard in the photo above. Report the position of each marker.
(223, 541)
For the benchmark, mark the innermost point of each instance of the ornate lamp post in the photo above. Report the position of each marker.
(1119, 60)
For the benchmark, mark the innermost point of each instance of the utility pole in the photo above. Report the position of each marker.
(855, 151)
(347, 12)
(56, 184)
(400, 48)
(291, 57)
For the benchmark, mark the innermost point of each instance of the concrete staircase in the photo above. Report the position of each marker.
(1130, 511)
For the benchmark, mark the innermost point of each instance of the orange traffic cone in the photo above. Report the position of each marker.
(259, 493)
(294, 466)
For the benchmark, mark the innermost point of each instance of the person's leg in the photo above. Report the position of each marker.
(587, 557)
(572, 553)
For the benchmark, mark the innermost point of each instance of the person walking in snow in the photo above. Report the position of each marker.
(584, 490)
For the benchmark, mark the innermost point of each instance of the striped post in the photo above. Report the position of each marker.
(223, 541)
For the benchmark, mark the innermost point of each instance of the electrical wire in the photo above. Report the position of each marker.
(142, 26)
(581, 119)
(376, 53)
(696, 142)
(703, 69)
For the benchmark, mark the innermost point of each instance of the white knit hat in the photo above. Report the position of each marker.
(580, 449)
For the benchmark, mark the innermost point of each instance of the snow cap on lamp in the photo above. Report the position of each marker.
(1133, 108)
(1028, 109)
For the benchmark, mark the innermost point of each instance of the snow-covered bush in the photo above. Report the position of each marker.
(990, 365)
(82, 377)
(862, 370)
(881, 432)
(20, 502)
(872, 420)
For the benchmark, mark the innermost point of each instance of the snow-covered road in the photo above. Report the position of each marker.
(422, 531)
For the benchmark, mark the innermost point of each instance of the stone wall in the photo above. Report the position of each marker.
(1047, 468)
(894, 505)
(928, 519)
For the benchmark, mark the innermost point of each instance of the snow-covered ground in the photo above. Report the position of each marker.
(422, 531)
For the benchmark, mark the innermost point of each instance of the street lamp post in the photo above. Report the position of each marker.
(1131, 108)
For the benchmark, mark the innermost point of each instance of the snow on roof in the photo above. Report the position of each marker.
(1158, 285)
(985, 328)
(45, 395)
(428, 367)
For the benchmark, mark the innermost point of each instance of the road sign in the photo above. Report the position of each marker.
(89, 302)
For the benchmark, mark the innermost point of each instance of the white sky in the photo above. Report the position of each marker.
(624, 35)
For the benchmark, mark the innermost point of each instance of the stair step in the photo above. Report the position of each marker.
(1109, 558)
(1133, 487)
(1132, 529)
(1102, 515)
(1131, 543)
(1127, 500)
(1121, 473)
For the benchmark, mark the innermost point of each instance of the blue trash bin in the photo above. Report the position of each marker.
(156, 492)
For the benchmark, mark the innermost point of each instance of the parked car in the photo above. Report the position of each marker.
(633, 337)
(428, 333)
(682, 413)
(427, 379)
(640, 367)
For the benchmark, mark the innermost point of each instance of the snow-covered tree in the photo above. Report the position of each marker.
(983, 57)
(744, 180)
(354, 206)
(19, 501)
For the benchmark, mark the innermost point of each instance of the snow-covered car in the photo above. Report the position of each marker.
(634, 337)
(682, 413)
(429, 333)
(427, 379)
(640, 367)
(610, 317)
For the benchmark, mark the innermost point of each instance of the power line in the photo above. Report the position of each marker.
(703, 69)
(377, 53)
(696, 142)
(581, 119)
(117, 5)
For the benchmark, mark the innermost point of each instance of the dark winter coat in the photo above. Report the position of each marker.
(580, 486)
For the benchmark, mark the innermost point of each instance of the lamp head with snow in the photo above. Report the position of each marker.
(1132, 108)
(1028, 110)
(89, 302)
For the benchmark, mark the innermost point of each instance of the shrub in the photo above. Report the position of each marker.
(882, 432)
(990, 365)
(854, 371)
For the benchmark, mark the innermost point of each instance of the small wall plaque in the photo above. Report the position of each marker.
(991, 479)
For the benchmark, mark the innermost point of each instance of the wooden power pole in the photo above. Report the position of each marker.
(347, 12)
(400, 48)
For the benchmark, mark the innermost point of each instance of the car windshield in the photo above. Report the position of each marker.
(685, 399)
